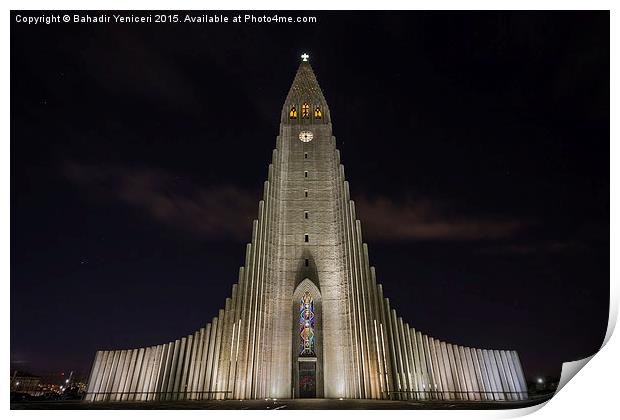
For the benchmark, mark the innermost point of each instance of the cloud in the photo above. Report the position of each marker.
(220, 211)
(422, 219)
(539, 247)
(226, 211)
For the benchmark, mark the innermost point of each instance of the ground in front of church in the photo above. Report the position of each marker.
(297, 404)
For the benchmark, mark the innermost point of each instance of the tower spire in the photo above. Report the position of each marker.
(305, 89)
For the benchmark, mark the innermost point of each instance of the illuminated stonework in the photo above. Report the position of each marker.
(306, 317)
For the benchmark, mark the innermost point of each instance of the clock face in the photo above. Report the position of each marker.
(305, 136)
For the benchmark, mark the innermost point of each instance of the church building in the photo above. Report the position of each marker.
(306, 318)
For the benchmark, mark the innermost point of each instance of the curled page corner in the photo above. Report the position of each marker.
(570, 369)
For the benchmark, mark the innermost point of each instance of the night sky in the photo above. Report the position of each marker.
(476, 146)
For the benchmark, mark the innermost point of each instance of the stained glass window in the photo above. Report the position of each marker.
(293, 113)
(306, 325)
(305, 110)
(317, 113)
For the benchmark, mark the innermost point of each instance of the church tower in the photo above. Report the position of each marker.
(306, 318)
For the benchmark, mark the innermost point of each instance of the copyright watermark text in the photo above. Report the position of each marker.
(160, 18)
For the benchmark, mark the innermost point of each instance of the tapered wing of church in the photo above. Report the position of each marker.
(307, 317)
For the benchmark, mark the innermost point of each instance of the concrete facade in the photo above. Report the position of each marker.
(306, 239)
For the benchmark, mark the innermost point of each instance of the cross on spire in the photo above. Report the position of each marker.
(305, 57)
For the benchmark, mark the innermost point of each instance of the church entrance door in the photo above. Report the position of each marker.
(307, 378)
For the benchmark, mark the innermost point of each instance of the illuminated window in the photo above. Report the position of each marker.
(306, 325)
(305, 110)
(293, 113)
(317, 113)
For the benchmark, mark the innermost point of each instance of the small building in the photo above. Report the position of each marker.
(26, 383)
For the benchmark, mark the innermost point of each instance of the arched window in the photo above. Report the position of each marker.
(317, 113)
(306, 325)
(305, 110)
(293, 113)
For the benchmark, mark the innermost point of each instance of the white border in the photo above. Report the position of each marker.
(593, 394)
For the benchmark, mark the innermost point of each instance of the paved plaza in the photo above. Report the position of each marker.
(297, 404)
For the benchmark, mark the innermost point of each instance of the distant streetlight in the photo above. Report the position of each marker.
(540, 380)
